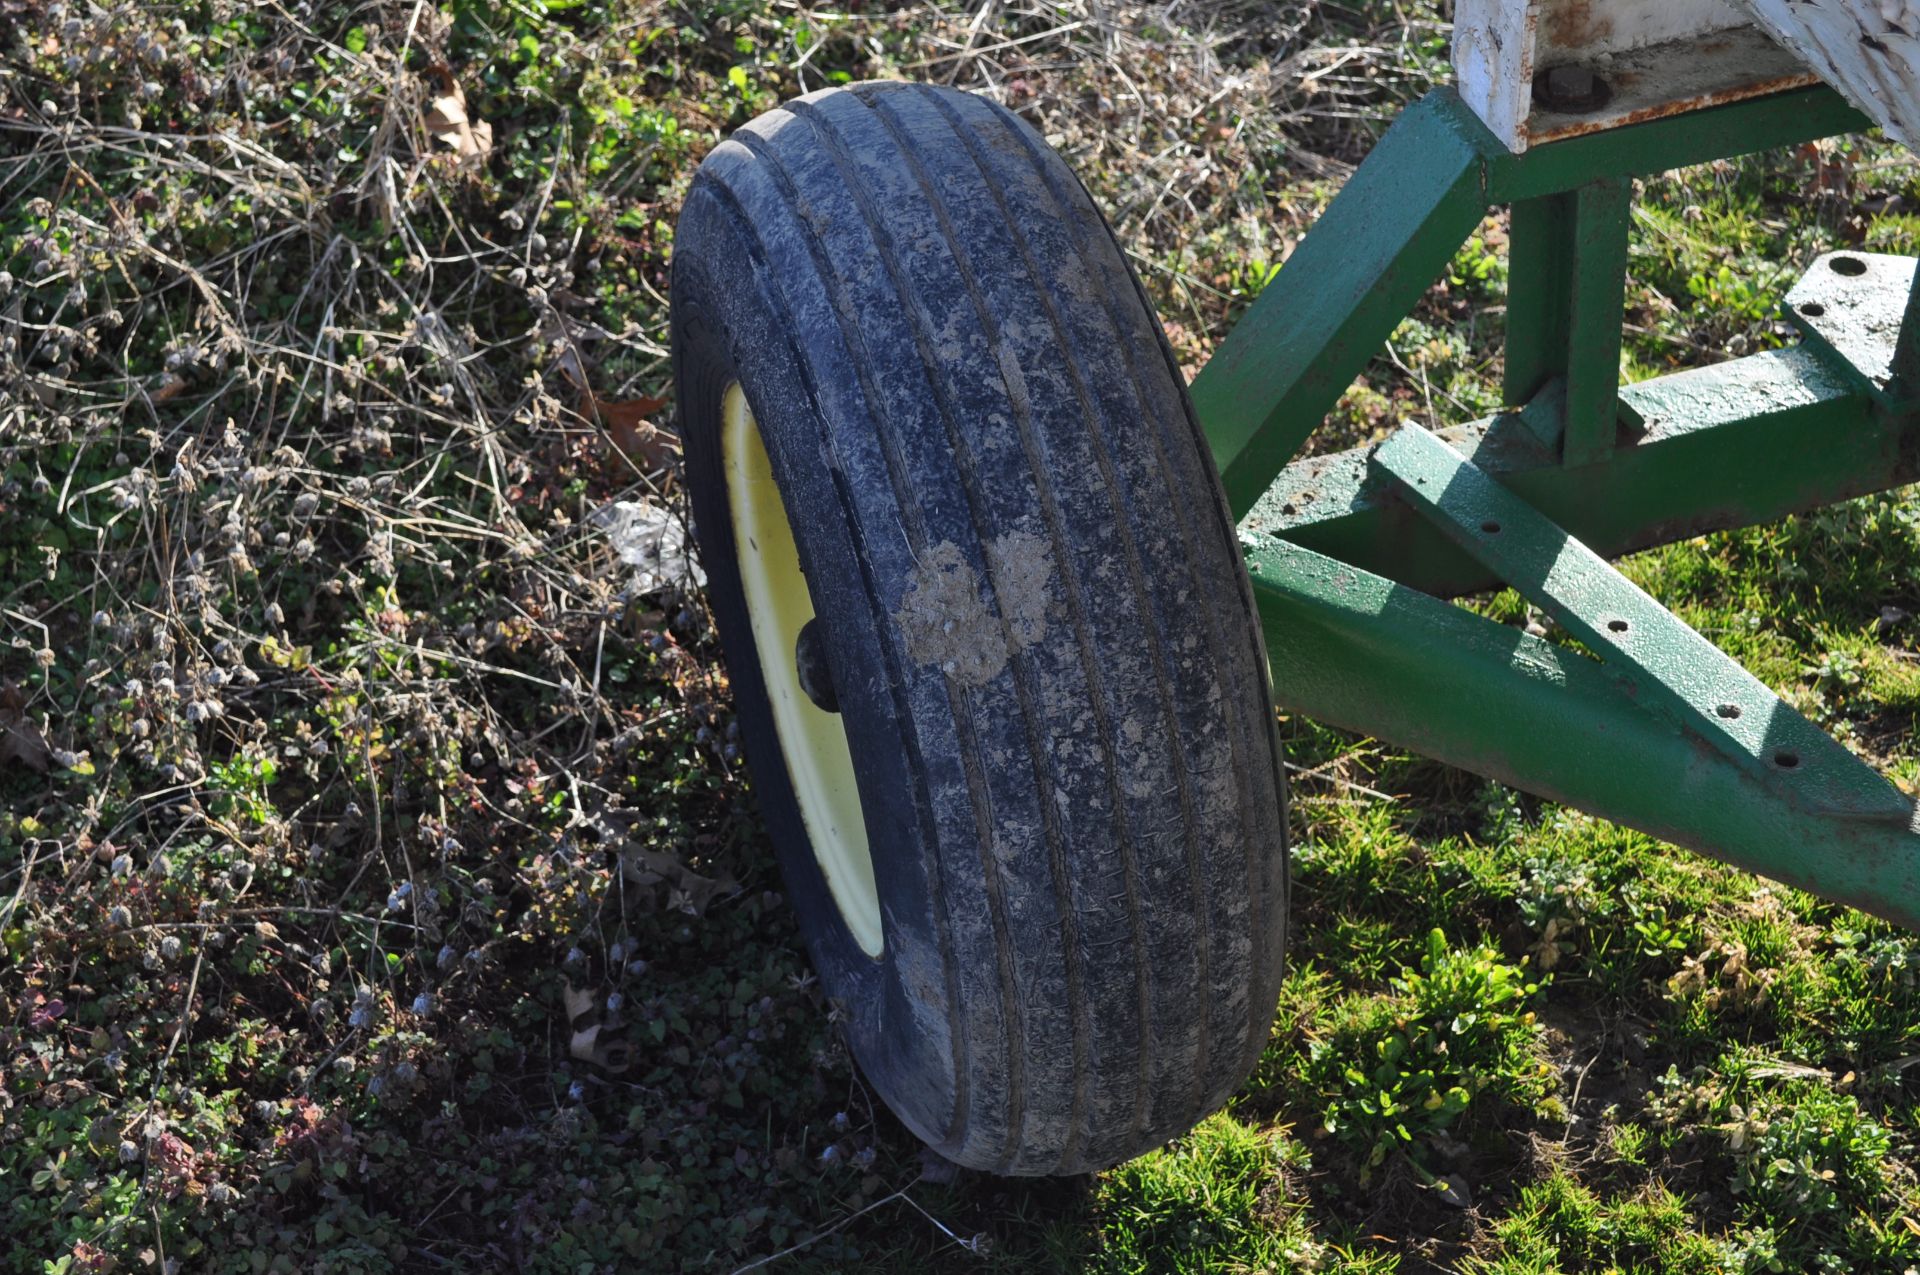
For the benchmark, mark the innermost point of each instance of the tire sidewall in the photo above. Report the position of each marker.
(896, 1010)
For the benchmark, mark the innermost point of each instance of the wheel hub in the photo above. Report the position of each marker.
(810, 662)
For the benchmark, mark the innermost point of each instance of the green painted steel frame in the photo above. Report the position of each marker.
(1662, 731)
(1394, 228)
(1358, 651)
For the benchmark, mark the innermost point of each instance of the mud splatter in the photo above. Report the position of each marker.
(945, 617)
(1022, 566)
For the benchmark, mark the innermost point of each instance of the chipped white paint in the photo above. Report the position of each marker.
(1493, 60)
(1868, 49)
(1658, 57)
(1580, 30)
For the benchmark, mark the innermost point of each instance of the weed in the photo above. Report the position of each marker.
(1403, 1067)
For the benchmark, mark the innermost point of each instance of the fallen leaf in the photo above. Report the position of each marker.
(639, 439)
(450, 125)
(1832, 171)
(625, 420)
(584, 1041)
(20, 739)
(43, 1015)
(648, 867)
(687, 890)
(174, 1154)
(90, 1258)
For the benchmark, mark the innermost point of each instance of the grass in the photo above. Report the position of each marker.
(392, 898)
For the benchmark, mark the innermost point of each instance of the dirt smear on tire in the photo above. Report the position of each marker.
(948, 622)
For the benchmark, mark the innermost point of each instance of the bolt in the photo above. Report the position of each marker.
(1571, 90)
(810, 661)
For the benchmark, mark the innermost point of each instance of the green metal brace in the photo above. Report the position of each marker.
(1660, 662)
(1393, 230)
(1566, 284)
(1662, 732)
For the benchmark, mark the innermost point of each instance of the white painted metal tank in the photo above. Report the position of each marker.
(1868, 49)
(1538, 70)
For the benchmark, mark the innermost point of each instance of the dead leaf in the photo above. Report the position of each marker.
(450, 125)
(1833, 173)
(639, 439)
(45, 1012)
(648, 867)
(20, 739)
(584, 1040)
(625, 420)
(686, 890)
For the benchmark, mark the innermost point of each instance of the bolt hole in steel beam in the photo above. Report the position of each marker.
(1728, 711)
(1354, 650)
(1491, 527)
(1857, 309)
(1667, 668)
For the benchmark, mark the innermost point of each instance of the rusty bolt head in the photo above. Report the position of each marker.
(1571, 90)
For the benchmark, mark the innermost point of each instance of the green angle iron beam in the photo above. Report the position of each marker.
(1644, 721)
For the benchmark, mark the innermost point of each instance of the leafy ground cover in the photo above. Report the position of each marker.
(379, 887)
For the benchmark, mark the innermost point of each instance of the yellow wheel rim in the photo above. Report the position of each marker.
(813, 741)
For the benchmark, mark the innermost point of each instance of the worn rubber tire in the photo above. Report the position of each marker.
(1037, 620)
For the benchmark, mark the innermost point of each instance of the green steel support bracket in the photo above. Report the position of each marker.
(1855, 307)
(1392, 231)
(1539, 296)
(1661, 732)
(1566, 282)
(1360, 652)
(1738, 443)
(1380, 245)
(1676, 141)
(1741, 442)
(1660, 662)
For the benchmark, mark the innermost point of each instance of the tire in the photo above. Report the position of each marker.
(1031, 610)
